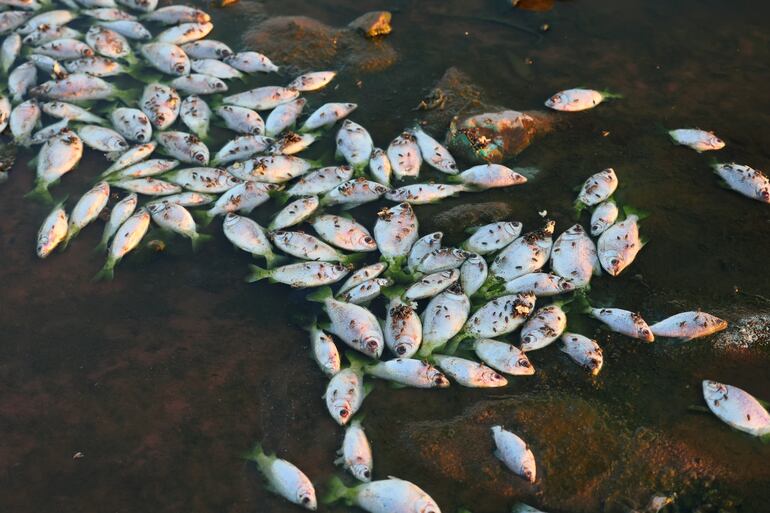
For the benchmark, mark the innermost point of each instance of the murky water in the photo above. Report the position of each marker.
(162, 378)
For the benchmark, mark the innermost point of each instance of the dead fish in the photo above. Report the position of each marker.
(354, 144)
(261, 98)
(295, 212)
(207, 49)
(366, 291)
(196, 115)
(65, 49)
(379, 167)
(402, 328)
(698, 140)
(247, 235)
(52, 232)
(343, 233)
(745, 180)
(500, 316)
(176, 14)
(240, 148)
(492, 237)
(312, 81)
(356, 453)
(442, 259)
(102, 138)
(404, 156)
(58, 156)
(526, 254)
(443, 318)
(197, 83)
(395, 231)
(574, 257)
(128, 237)
(301, 275)
(422, 247)
(515, 453)
(503, 357)
(619, 245)
(433, 153)
(688, 325)
(96, 66)
(215, 68)
(473, 274)
(604, 215)
(321, 181)
(325, 351)
(583, 351)
(424, 193)
(541, 284)
(185, 33)
(353, 193)
(409, 372)
(87, 209)
(183, 146)
(737, 408)
(624, 322)
(284, 116)
(161, 104)
(241, 120)
(574, 100)
(469, 373)
(598, 187)
(546, 325)
(362, 275)
(285, 479)
(487, 176)
(251, 62)
(167, 58)
(133, 124)
(327, 114)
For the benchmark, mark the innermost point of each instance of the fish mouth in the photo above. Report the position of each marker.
(372, 345)
(440, 381)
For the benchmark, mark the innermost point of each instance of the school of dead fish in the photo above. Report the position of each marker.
(447, 309)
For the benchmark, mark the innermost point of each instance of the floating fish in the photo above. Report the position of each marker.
(624, 322)
(52, 232)
(241, 119)
(503, 357)
(366, 291)
(409, 372)
(584, 351)
(688, 325)
(404, 156)
(176, 218)
(574, 100)
(423, 193)
(208, 49)
(183, 146)
(353, 193)
(327, 114)
(344, 233)
(362, 275)
(161, 104)
(604, 215)
(574, 257)
(247, 235)
(167, 58)
(196, 115)
(442, 259)
(395, 231)
(122, 210)
(250, 62)
(241, 148)
(325, 351)
(133, 124)
(737, 408)
(261, 98)
(473, 274)
(432, 284)
(87, 209)
(546, 325)
(402, 328)
(344, 394)
(284, 116)
(390, 495)
(698, 140)
(525, 255)
(492, 237)
(433, 153)
(488, 176)
(500, 316)
(598, 187)
(379, 167)
(58, 156)
(515, 453)
(127, 237)
(356, 453)
(540, 284)
(745, 180)
(295, 213)
(301, 275)
(443, 318)
(354, 144)
(423, 246)
(619, 245)
(312, 81)
(469, 373)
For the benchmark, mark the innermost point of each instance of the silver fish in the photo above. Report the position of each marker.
(167, 58)
(87, 209)
(402, 328)
(343, 233)
(524, 255)
(624, 322)
(619, 245)
(443, 318)
(546, 325)
(176, 14)
(196, 115)
(161, 104)
(312, 81)
(469, 373)
(295, 212)
(396, 231)
(500, 316)
(261, 98)
(409, 372)
(736, 408)
(422, 247)
(185, 147)
(250, 62)
(598, 187)
(604, 215)
(354, 144)
(321, 181)
(424, 193)
(240, 148)
(196, 83)
(207, 49)
(284, 116)
(473, 274)
(745, 180)
(133, 124)
(379, 167)
(503, 357)
(404, 155)
(122, 210)
(52, 232)
(492, 237)
(688, 325)
(583, 351)
(241, 119)
(247, 235)
(574, 257)
(327, 115)
(102, 138)
(185, 33)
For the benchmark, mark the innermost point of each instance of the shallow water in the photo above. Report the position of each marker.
(165, 376)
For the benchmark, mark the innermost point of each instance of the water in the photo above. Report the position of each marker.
(165, 376)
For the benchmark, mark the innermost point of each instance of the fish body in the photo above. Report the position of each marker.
(688, 325)
(325, 352)
(9, 51)
(291, 143)
(161, 103)
(241, 119)
(75, 87)
(574, 257)
(273, 169)
(402, 328)
(423, 246)
(120, 212)
(183, 146)
(396, 231)
(22, 80)
(515, 453)
(247, 235)
(203, 179)
(698, 140)
(185, 33)
(128, 28)
(503, 357)
(147, 186)
(130, 157)
(305, 246)
(409, 372)
(500, 316)
(127, 237)
(353, 193)
(488, 176)
(303, 275)
(354, 325)
(214, 68)
(432, 284)
(48, 65)
(583, 351)
(207, 49)
(745, 180)
(132, 124)
(598, 187)
(251, 62)
(492, 237)
(88, 208)
(167, 58)
(197, 83)
(23, 120)
(187, 199)
(177, 14)
(327, 114)
(736, 408)
(379, 167)
(102, 138)
(312, 81)
(541, 284)
(241, 148)
(390, 495)
(285, 479)
(443, 318)
(354, 144)
(284, 116)
(366, 291)
(362, 275)
(442, 259)
(546, 325)
(196, 115)
(525, 255)
(96, 66)
(71, 112)
(344, 233)
(469, 373)
(404, 156)
(604, 215)
(58, 156)
(473, 274)
(619, 245)
(242, 198)
(424, 193)
(108, 43)
(356, 453)
(295, 212)
(174, 217)
(574, 100)
(261, 98)
(65, 49)
(624, 322)
(52, 232)
(344, 395)
(434, 153)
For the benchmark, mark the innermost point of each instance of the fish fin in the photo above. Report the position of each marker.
(609, 95)
(272, 260)
(491, 288)
(32, 163)
(765, 404)
(199, 239)
(579, 206)
(258, 456)
(396, 271)
(320, 295)
(765, 439)
(337, 491)
(368, 387)
(102, 246)
(315, 164)
(40, 193)
(454, 179)
(340, 460)
(107, 273)
(257, 273)
(454, 342)
(280, 197)
(72, 232)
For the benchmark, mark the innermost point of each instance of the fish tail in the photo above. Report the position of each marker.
(320, 295)
(765, 439)
(272, 260)
(71, 234)
(40, 193)
(203, 217)
(337, 491)
(128, 96)
(280, 197)
(393, 291)
(609, 95)
(258, 456)
(631, 211)
(491, 288)
(579, 303)
(427, 349)
(579, 206)
(198, 239)
(257, 273)
(102, 246)
(352, 258)
(107, 273)
(357, 361)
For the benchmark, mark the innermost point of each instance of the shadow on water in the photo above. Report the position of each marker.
(163, 377)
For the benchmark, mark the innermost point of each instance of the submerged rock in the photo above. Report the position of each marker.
(305, 42)
(372, 24)
(478, 131)
(457, 219)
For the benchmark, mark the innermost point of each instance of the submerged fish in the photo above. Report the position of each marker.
(285, 479)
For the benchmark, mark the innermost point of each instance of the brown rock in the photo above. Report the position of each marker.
(372, 24)
(456, 219)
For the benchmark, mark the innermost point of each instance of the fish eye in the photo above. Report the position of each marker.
(524, 363)
(368, 240)
(367, 474)
(305, 500)
(614, 261)
(400, 350)
(344, 413)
